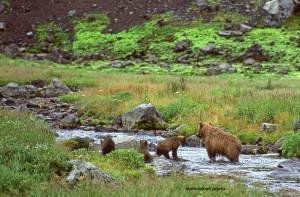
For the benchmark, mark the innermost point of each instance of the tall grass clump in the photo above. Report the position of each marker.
(291, 146)
(29, 154)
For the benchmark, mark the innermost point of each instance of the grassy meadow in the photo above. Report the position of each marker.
(33, 164)
(238, 104)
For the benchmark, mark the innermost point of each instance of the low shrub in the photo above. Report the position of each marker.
(291, 146)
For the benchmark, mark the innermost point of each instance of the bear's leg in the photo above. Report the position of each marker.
(166, 154)
(233, 159)
(158, 153)
(211, 155)
(174, 154)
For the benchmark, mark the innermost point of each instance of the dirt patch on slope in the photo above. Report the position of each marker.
(24, 15)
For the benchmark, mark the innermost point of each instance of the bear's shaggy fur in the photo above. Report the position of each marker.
(107, 146)
(170, 144)
(218, 142)
(144, 149)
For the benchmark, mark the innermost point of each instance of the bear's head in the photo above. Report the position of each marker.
(144, 145)
(203, 127)
(183, 140)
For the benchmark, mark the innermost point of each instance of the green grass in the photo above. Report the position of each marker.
(29, 153)
(151, 39)
(234, 102)
(176, 185)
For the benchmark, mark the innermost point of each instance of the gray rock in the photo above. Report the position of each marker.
(14, 90)
(193, 140)
(24, 108)
(262, 150)
(55, 88)
(181, 46)
(245, 28)
(12, 50)
(33, 103)
(152, 59)
(87, 171)
(33, 91)
(278, 11)
(117, 64)
(213, 71)
(231, 70)
(69, 122)
(268, 127)
(208, 49)
(164, 166)
(277, 147)
(30, 34)
(288, 169)
(248, 150)
(2, 26)
(296, 125)
(201, 3)
(249, 61)
(126, 142)
(293, 163)
(144, 116)
(224, 67)
(285, 174)
(72, 13)
(2, 7)
(230, 33)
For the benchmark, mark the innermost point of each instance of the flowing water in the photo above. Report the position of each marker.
(252, 168)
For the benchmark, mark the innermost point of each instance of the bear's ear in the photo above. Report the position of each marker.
(101, 141)
(200, 124)
(209, 123)
(146, 143)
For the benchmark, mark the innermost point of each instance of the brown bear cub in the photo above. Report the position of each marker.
(144, 149)
(218, 142)
(170, 144)
(107, 146)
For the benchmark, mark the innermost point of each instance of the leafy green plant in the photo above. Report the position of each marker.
(127, 157)
(291, 146)
(59, 38)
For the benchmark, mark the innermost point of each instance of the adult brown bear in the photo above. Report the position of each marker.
(218, 142)
(172, 143)
(144, 149)
(107, 146)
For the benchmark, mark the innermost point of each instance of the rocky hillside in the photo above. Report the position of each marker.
(185, 32)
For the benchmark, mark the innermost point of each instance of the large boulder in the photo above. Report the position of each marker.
(69, 122)
(193, 140)
(268, 127)
(14, 90)
(55, 88)
(278, 11)
(126, 142)
(277, 147)
(82, 170)
(144, 116)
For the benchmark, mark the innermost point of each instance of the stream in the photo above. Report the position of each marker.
(252, 168)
